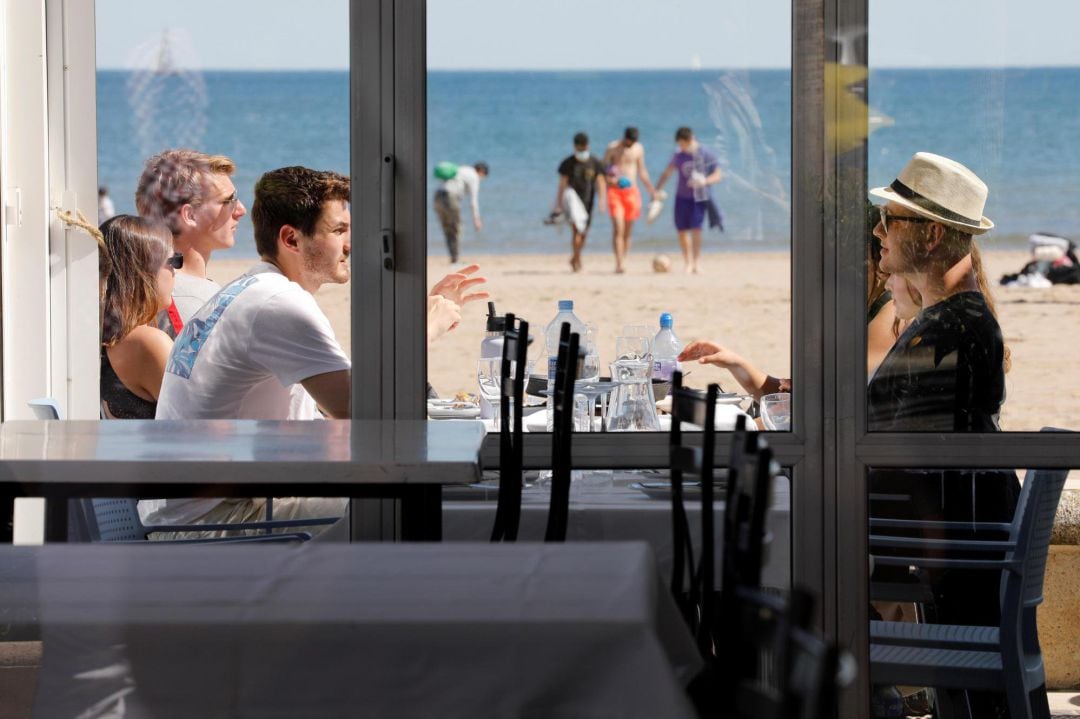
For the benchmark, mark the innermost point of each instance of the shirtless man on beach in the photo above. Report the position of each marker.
(625, 160)
(194, 195)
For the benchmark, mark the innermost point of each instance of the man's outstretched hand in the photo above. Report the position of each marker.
(456, 285)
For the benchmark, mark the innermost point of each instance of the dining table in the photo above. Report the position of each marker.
(405, 461)
(619, 505)
(341, 630)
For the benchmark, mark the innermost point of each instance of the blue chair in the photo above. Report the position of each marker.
(44, 408)
(977, 658)
(117, 520)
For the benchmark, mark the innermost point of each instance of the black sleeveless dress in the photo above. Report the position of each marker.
(118, 400)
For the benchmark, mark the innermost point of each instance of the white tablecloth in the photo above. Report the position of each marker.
(579, 630)
(618, 513)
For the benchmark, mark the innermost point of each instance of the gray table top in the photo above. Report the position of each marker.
(476, 630)
(198, 453)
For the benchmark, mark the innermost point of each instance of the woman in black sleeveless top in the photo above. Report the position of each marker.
(138, 280)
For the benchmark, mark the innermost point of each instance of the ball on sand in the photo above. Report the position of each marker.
(661, 263)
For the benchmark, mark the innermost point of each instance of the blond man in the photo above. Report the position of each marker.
(193, 193)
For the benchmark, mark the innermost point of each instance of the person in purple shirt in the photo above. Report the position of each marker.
(697, 169)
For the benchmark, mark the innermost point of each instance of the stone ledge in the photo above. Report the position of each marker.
(1067, 520)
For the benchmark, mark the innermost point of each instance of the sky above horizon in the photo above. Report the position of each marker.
(589, 34)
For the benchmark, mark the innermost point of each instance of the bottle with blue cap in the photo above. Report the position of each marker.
(666, 348)
(551, 343)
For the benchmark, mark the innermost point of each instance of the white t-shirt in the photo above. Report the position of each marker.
(243, 356)
(190, 293)
(243, 353)
(466, 181)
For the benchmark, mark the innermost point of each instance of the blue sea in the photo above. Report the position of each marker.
(1017, 128)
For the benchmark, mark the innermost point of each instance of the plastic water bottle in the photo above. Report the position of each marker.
(666, 348)
(551, 341)
(491, 347)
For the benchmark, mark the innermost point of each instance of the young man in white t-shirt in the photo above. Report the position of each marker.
(262, 348)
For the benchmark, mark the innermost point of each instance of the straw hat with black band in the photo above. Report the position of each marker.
(941, 189)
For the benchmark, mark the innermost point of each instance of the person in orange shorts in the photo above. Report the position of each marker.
(625, 161)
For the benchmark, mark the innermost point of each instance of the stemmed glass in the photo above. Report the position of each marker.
(776, 411)
(634, 348)
(489, 377)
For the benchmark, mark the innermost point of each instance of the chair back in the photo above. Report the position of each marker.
(113, 520)
(806, 669)
(684, 407)
(1036, 509)
(45, 408)
(749, 489)
(567, 369)
(511, 401)
(1022, 589)
(698, 408)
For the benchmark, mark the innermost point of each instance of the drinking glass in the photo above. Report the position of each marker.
(634, 348)
(489, 377)
(776, 411)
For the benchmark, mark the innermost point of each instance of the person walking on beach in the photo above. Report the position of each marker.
(461, 180)
(193, 194)
(105, 207)
(625, 160)
(697, 169)
(581, 181)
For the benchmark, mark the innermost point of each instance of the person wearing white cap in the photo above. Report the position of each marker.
(946, 371)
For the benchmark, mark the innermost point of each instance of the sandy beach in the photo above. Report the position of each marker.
(742, 300)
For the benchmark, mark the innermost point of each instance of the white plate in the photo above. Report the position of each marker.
(728, 398)
(446, 409)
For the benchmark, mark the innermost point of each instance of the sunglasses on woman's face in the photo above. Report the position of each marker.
(176, 261)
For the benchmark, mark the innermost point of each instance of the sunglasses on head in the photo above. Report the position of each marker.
(176, 261)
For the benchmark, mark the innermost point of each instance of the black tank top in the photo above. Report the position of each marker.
(121, 402)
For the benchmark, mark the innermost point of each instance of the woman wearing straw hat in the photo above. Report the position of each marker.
(946, 372)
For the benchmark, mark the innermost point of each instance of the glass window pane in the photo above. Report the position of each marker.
(1002, 108)
(265, 85)
(515, 103)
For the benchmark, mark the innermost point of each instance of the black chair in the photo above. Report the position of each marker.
(567, 369)
(511, 401)
(689, 584)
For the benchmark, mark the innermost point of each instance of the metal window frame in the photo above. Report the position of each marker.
(830, 449)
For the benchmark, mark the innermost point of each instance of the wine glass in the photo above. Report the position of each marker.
(635, 348)
(776, 411)
(489, 377)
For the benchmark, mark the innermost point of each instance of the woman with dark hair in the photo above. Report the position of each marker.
(138, 280)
